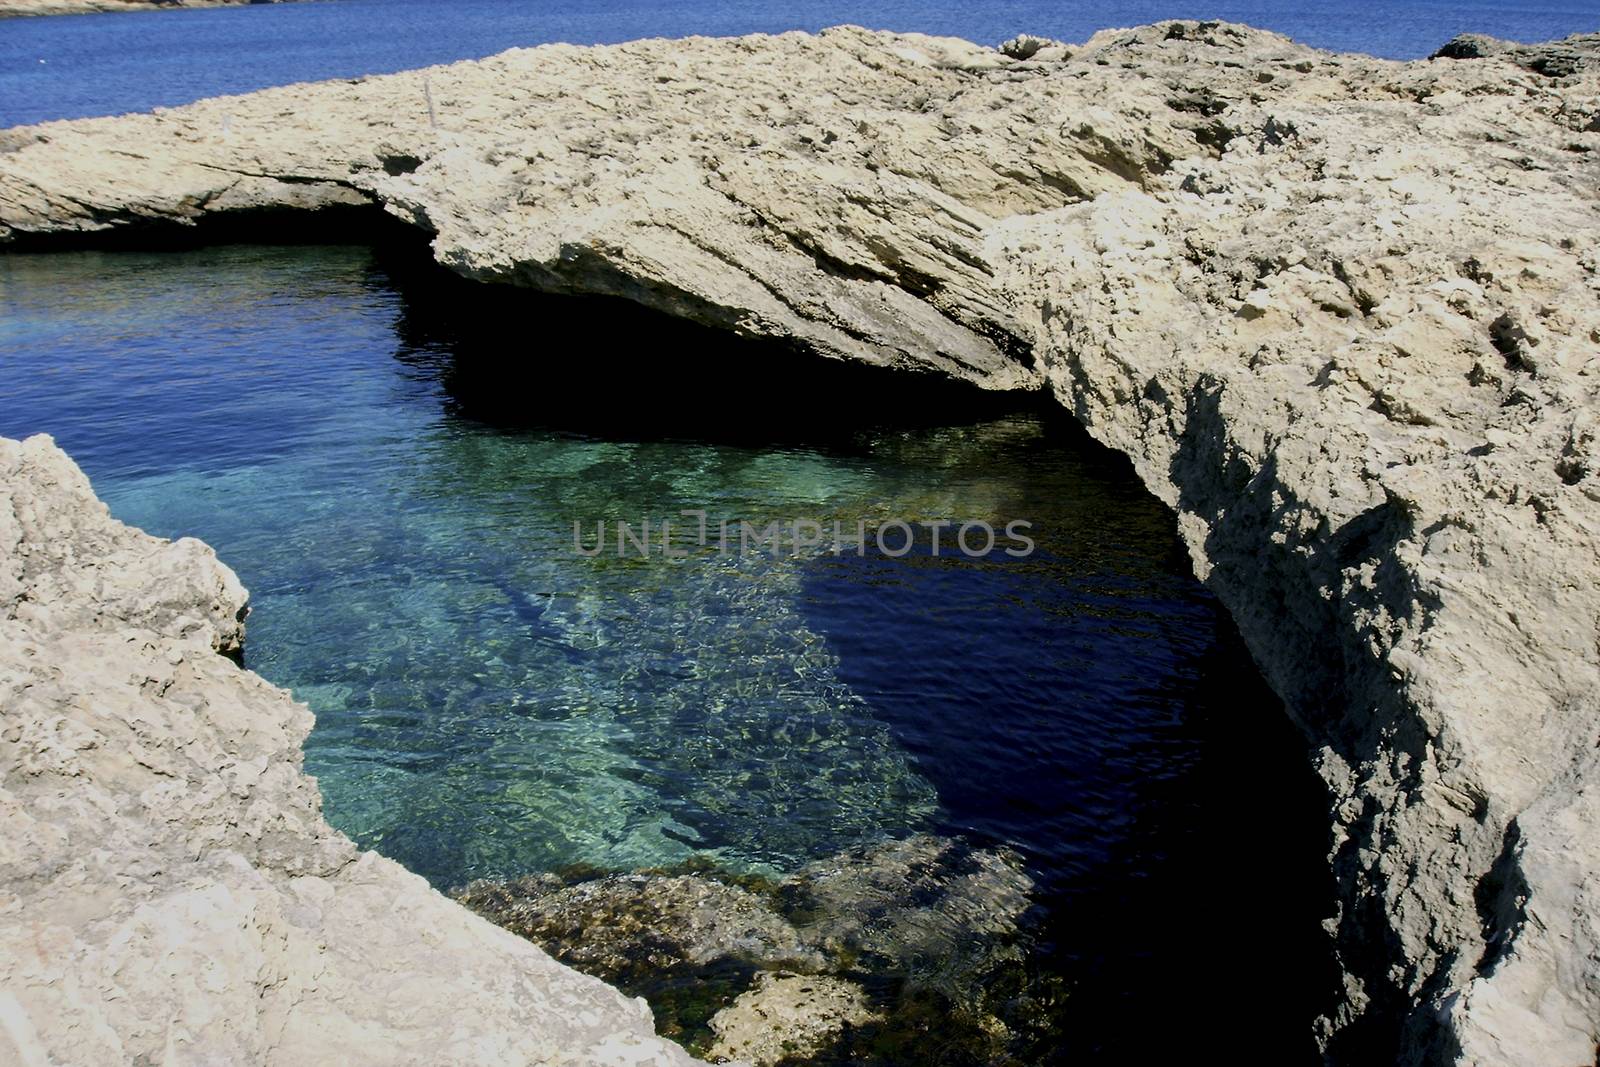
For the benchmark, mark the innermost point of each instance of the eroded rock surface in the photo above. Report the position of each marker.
(1343, 314)
(169, 892)
(913, 946)
(788, 1016)
(631, 928)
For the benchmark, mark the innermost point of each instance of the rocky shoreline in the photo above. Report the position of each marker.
(1342, 314)
(30, 8)
(169, 889)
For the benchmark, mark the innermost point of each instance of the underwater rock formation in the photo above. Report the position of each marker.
(788, 1016)
(915, 943)
(1342, 314)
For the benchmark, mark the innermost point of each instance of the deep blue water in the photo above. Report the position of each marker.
(67, 67)
(397, 489)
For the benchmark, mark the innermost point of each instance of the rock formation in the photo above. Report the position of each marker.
(1342, 314)
(786, 1016)
(753, 969)
(168, 889)
(16, 8)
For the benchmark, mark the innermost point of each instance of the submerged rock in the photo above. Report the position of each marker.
(787, 1017)
(630, 928)
(933, 908)
(893, 943)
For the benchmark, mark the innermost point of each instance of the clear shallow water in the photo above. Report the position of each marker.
(67, 67)
(397, 489)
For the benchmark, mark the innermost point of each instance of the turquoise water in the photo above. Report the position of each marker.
(105, 64)
(490, 700)
(396, 485)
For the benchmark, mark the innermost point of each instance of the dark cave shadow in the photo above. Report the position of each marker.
(1177, 829)
(1329, 678)
(512, 359)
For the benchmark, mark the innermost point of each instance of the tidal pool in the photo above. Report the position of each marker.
(393, 463)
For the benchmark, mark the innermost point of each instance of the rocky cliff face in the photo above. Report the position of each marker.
(168, 890)
(1343, 315)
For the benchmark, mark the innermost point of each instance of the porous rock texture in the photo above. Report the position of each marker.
(787, 1016)
(749, 968)
(1342, 314)
(169, 892)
